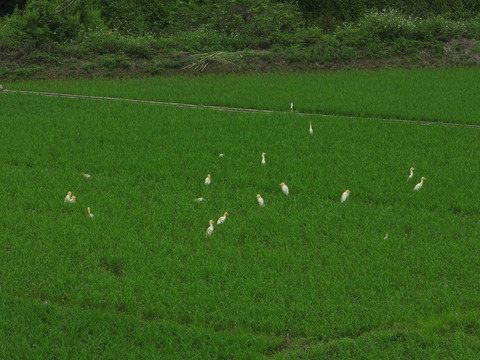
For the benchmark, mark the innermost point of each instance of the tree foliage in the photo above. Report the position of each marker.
(41, 22)
(160, 16)
(205, 25)
(7, 7)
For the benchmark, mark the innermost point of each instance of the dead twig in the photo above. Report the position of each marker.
(65, 8)
(205, 59)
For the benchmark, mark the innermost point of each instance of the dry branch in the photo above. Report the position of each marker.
(65, 8)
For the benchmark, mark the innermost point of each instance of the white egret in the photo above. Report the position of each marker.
(89, 213)
(284, 188)
(420, 184)
(199, 199)
(221, 155)
(411, 174)
(260, 200)
(263, 158)
(221, 219)
(345, 195)
(86, 176)
(68, 197)
(311, 130)
(386, 236)
(208, 180)
(210, 228)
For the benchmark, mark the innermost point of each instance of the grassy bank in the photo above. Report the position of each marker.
(383, 39)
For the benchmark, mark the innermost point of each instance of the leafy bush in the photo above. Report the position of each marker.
(138, 17)
(225, 25)
(205, 40)
(41, 23)
(389, 25)
(246, 23)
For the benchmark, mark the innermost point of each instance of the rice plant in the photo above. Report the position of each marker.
(304, 275)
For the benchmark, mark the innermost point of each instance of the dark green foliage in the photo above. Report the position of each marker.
(41, 23)
(8, 6)
(337, 32)
(137, 17)
(330, 13)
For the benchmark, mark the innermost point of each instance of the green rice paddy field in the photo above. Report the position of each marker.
(448, 95)
(303, 277)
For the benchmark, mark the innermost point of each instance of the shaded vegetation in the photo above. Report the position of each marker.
(96, 37)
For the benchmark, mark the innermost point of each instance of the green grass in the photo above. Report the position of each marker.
(43, 330)
(142, 279)
(448, 95)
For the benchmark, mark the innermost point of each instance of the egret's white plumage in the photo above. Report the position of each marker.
(311, 129)
(221, 219)
(208, 180)
(221, 155)
(411, 174)
(260, 200)
(263, 158)
(345, 195)
(89, 213)
(198, 199)
(420, 184)
(284, 188)
(70, 198)
(386, 236)
(210, 228)
(86, 176)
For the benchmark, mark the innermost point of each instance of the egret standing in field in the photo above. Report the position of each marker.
(260, 200)
(210, 228)
(221, 219)
(284, 188)
(345, 195)
(221, 155)
(420, 184)
(386, 236)
(263, 158)
(70, 198)
(208, 180)
(89, 213)
(411, 174)
(198, 199)
(311, 130)
(86, 176)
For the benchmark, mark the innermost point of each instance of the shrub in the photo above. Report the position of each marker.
(387, 25)
(40, 23)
